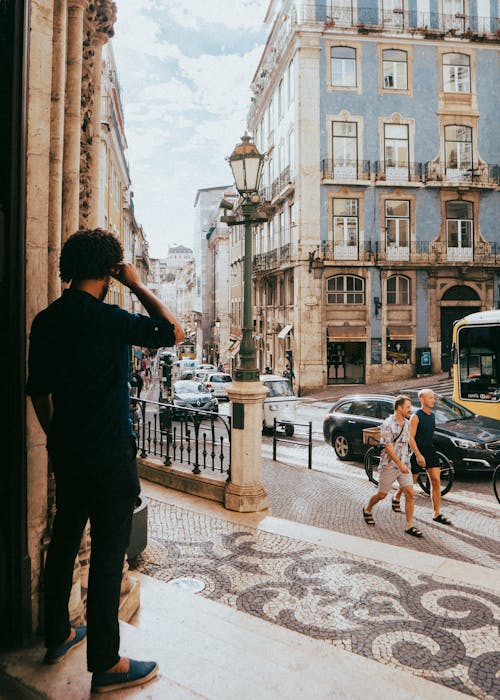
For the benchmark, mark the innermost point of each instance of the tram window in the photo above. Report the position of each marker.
(478, 362)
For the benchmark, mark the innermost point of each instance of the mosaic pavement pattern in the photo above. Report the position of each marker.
(443, 632)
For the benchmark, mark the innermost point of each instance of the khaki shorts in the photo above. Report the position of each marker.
(388, 475)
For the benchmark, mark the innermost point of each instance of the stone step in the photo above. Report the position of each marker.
(208, 650)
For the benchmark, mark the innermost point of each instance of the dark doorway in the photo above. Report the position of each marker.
(450, 314)
(15, 570)
(346, 362)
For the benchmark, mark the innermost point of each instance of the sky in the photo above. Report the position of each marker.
(185, 69)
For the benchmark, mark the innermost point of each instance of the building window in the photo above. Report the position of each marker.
(453, 15)
(291, 81)
(456, 72)
(345, 229)
(281, 95)
(398, 290)
(393, 13)
(399, 351)
(345, 149)
(345, 289)
(341, 12)
(459, 230)
(458, 149)
(343, 59)
(396, 150)
(397, 229)
(395, 68)
(291, 152)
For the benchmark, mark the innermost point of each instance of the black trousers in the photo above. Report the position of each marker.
(102, 487)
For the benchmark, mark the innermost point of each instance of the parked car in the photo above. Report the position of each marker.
(219, 383)
(211, 368)
(471, 443)
(201, 374)
(193, 394)
(280, 403)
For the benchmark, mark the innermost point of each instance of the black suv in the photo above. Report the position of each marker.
(471, 442)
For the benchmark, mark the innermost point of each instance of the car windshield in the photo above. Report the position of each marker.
(190, 388)
(279, 388)
(221, 378)
(445, 410)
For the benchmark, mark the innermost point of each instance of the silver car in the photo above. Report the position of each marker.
(219, 383)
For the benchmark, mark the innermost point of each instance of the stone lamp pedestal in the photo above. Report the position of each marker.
(245, 492)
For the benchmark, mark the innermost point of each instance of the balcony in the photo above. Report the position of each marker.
(279, 257)
(341, 170)
(483, 176)
(366, 19)
(398, 171)
(279, 189)
(434, 253)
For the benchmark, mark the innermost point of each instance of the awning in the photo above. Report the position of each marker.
(400, 333)
(346, 332)
(234, 348)
(285, 331)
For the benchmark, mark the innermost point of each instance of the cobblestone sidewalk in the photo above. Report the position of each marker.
(422, 624)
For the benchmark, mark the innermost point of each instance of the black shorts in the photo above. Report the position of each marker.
(431, 460)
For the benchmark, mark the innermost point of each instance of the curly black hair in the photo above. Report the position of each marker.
(89, 255)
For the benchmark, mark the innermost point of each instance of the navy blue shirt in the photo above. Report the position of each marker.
(79, 353)
(424, 435)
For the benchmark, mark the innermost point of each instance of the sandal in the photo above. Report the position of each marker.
(396, 506)
(441, 519)
(368, 518)
(414, 532)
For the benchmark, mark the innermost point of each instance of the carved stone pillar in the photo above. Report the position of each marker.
(56, 146)
(99, 28)
(71, 162)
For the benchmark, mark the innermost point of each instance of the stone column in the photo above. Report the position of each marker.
(95, 133)
(72, 127)
(56, 146)
(245, 492)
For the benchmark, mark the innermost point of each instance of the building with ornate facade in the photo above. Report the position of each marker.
(381, 183)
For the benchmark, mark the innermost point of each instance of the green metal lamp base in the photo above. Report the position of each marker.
(247, 375)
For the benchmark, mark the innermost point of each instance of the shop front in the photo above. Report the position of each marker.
(346, 355)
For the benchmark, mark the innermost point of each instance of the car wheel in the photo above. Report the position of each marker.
(289, 430)
(342, 446)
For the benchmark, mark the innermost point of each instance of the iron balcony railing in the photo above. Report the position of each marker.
(342, 169)
(418, 252)
(182, 436)
(281, 183)
(401, 171)
(479, 175)
(400, 19)
(275, 258)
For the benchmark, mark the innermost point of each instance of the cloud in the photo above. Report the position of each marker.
(185, 101)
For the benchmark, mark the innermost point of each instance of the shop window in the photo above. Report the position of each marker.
(345, 289)
(399, 352)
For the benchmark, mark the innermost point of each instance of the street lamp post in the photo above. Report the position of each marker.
(245, 492)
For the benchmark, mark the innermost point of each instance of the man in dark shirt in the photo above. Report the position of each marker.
(78, 382)
(422, 426)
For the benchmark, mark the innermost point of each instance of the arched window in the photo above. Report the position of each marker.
(456, 72)
(398, 290)
(345, 289)
(343, 66)
(395, 67)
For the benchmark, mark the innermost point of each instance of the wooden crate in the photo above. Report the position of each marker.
(371, 436)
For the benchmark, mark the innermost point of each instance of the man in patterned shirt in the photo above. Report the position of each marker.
(395, 463)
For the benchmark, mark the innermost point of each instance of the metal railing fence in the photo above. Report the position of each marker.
(182, 436)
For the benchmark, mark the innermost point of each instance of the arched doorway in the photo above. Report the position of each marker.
(451, 312)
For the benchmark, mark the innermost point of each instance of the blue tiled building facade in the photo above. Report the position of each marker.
(395, 181)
